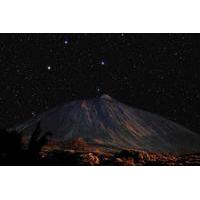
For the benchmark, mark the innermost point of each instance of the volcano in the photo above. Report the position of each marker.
(107, 122)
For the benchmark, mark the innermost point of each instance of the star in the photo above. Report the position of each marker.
(102, 62)
(176, 53)
(49, 68)
(98, 89)
(125, 78)
(65, 42)
(134, 66)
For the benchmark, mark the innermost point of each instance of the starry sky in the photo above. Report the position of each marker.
(155, 72)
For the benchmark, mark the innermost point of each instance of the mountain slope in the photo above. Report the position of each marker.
(105, 121)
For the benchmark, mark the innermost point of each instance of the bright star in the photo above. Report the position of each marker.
(49, 68)
(33, 113)
(102, 62)
(98, 89)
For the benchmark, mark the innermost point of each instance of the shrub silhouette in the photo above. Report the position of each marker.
(12, 151)
(37, 141)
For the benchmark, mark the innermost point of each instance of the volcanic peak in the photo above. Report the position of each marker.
(106, 97)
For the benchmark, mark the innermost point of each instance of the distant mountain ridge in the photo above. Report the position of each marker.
(105, 121)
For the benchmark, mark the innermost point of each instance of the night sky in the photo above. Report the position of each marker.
(155, 72)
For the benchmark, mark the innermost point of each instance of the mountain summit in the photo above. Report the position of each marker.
(105, 121)
(106, 96)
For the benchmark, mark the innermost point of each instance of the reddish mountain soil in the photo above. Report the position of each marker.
(78, 152)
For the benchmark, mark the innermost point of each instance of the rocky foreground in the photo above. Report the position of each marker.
(121, 158)
(41, 150)
(83, 154)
